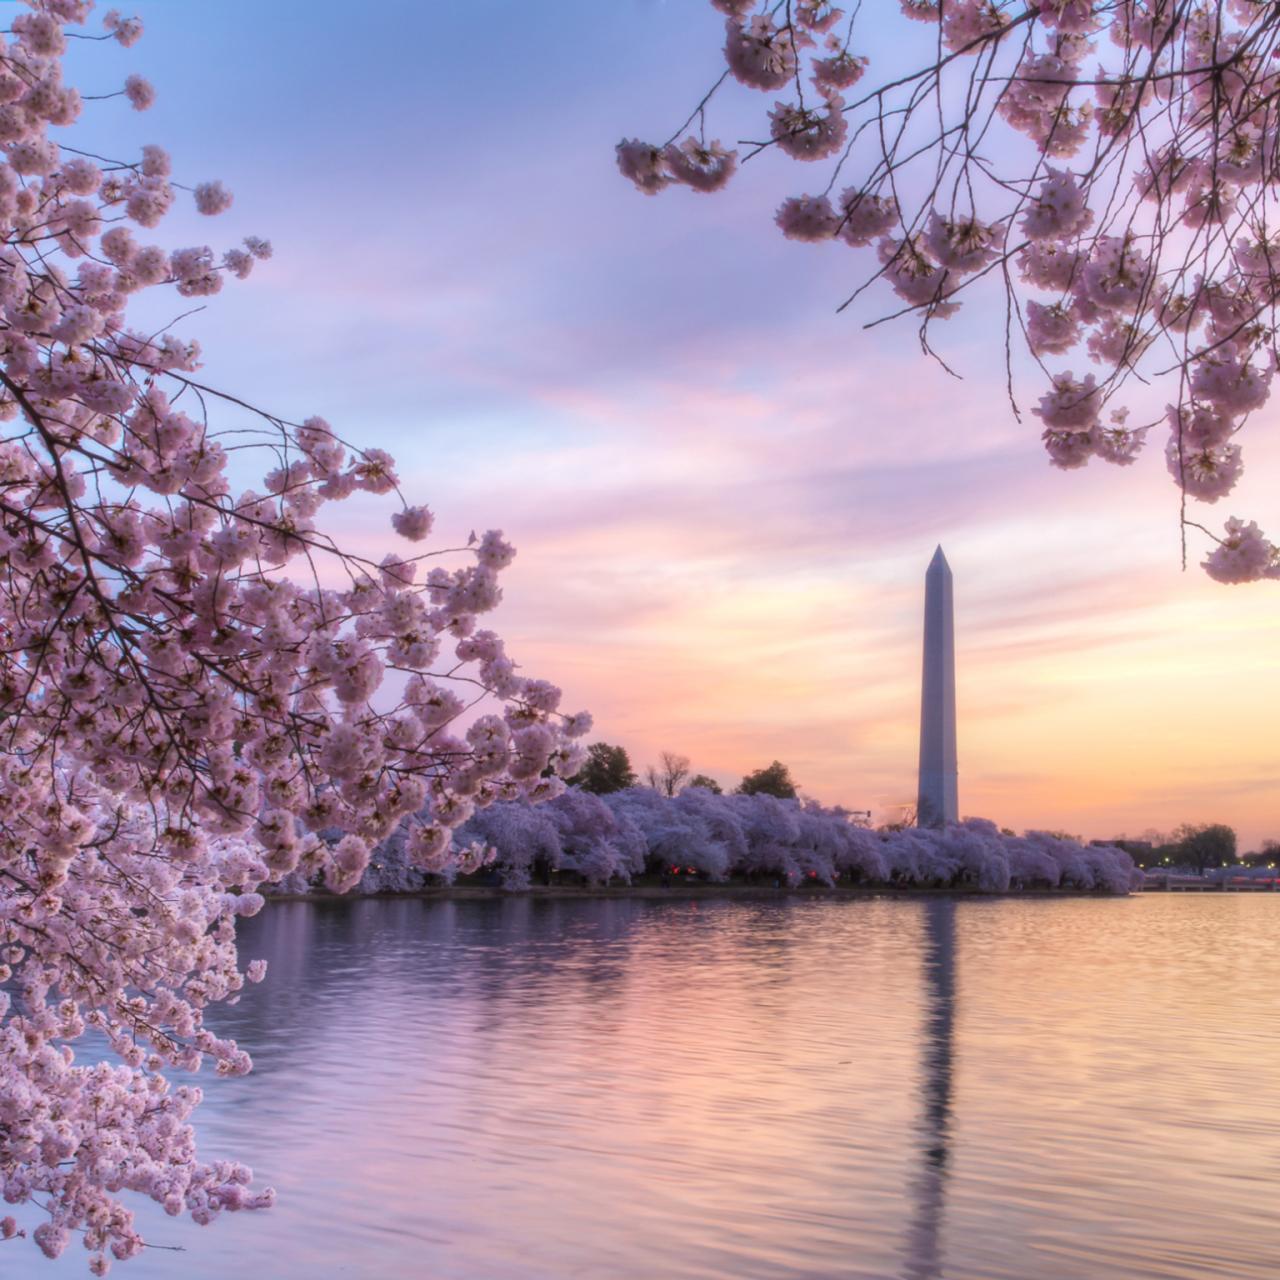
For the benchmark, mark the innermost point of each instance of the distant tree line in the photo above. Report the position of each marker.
(1267, 856)
(694, 837)
(608, 768)
(1196, 846)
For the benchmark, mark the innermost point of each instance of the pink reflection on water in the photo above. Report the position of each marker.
(758, 1090)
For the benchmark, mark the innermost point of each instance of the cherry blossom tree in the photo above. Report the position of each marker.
(1109, 166)
(200, 690)
(615, 837)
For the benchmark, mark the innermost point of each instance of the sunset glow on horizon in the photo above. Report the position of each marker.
(723, 493)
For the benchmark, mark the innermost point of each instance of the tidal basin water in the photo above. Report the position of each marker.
(720, 1089)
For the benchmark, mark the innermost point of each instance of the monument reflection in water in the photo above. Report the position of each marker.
(924, 1245)
(732, 1090)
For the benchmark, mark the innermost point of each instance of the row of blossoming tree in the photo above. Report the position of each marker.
(625, 834)
(195, 680)
(1111, 165)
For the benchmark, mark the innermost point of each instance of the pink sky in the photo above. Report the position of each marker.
(724, 494)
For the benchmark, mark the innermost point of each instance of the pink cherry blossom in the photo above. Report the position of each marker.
(817, 15)
(1231, 383)
(962, 245)
(761, 54)
(1069, 15)
(1069, 449)
(212, 198)
(702, 167)
(1118, 444)
(1206, 472)
(1051, 330)
(1049, 265)
(192, 713)
(840, 70)
(805, 133)
(615, 837)
(1058, 210)
(807, 218)
(643, 164)
(1132, 229)
(966, 22)
(1199, 425)
(414, 523)
(139, 92)
(1244, 555)
(1072, 404)
(865, 216)
(128, 31)
(915, 276)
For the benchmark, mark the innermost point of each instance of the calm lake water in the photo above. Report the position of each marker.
(623, 1089)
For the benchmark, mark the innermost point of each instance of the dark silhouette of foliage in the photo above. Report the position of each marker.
(1209, 845)
(1267, 856)
(706, 783)
(773, 781)
(608, 768)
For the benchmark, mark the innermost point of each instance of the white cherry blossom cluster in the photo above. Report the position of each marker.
(628, 833)
(200, 691)
(1137, 231)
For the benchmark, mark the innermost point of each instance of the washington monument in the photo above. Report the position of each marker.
(938, 802)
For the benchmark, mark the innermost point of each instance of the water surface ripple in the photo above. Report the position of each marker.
(625, 1089)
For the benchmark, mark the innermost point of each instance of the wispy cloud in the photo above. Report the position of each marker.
(723, 493)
